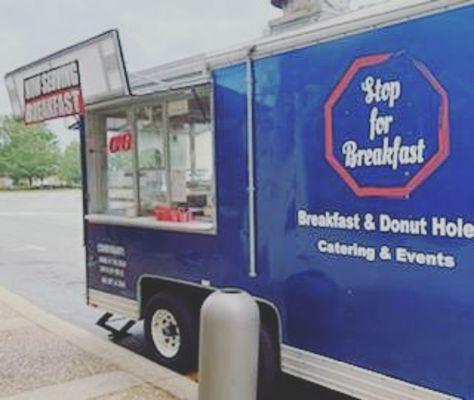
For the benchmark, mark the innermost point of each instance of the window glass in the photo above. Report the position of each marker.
(155, 161)
(120, 166)
(191, 154)
(150, 137)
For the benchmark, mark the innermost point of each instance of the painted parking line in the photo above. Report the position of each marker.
(28, 247)
(37, 214)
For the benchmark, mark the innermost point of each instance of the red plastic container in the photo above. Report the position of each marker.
(163, 213)
(173, 214)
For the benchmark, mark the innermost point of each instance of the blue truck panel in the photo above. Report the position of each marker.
(364, 205)
(401, 319)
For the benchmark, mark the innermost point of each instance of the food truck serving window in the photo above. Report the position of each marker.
(151, 164)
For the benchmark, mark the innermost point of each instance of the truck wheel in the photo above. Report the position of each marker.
(268, 365)
(171, 332)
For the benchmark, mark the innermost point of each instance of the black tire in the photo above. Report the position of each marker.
(268, 365)
(186, 321)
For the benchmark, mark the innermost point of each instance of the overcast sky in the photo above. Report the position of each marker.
(152, 31)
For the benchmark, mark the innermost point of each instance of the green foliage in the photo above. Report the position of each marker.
(122, 161)
(3, 160)
(150, 159)
(29, 151)
(69, 164)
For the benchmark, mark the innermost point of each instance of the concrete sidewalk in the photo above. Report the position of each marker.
(43, 357)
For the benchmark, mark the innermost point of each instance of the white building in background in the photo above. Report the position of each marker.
(6, 182)
(49, 182)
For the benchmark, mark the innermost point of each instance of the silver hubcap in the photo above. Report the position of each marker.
(165, 333)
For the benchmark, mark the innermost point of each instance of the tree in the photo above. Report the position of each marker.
(69, 165)
(30, 151)
(4, 140)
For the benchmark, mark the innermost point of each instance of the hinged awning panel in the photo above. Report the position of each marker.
(102, 69)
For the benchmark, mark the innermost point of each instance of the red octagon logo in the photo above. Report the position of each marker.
(429, 166)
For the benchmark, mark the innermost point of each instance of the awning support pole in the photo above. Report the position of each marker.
(251, 164)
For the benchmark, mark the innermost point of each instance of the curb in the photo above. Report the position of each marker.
(176, 385)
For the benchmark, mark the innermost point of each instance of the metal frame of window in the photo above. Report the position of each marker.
(130, 107)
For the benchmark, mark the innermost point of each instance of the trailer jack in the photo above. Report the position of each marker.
(115, 334)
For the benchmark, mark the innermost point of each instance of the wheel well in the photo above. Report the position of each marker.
(192, 294)
(196, 295)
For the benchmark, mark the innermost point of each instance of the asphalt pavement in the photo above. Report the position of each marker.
(43, 261)
(42, 253)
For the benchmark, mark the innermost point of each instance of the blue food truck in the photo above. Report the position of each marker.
(325, 169)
